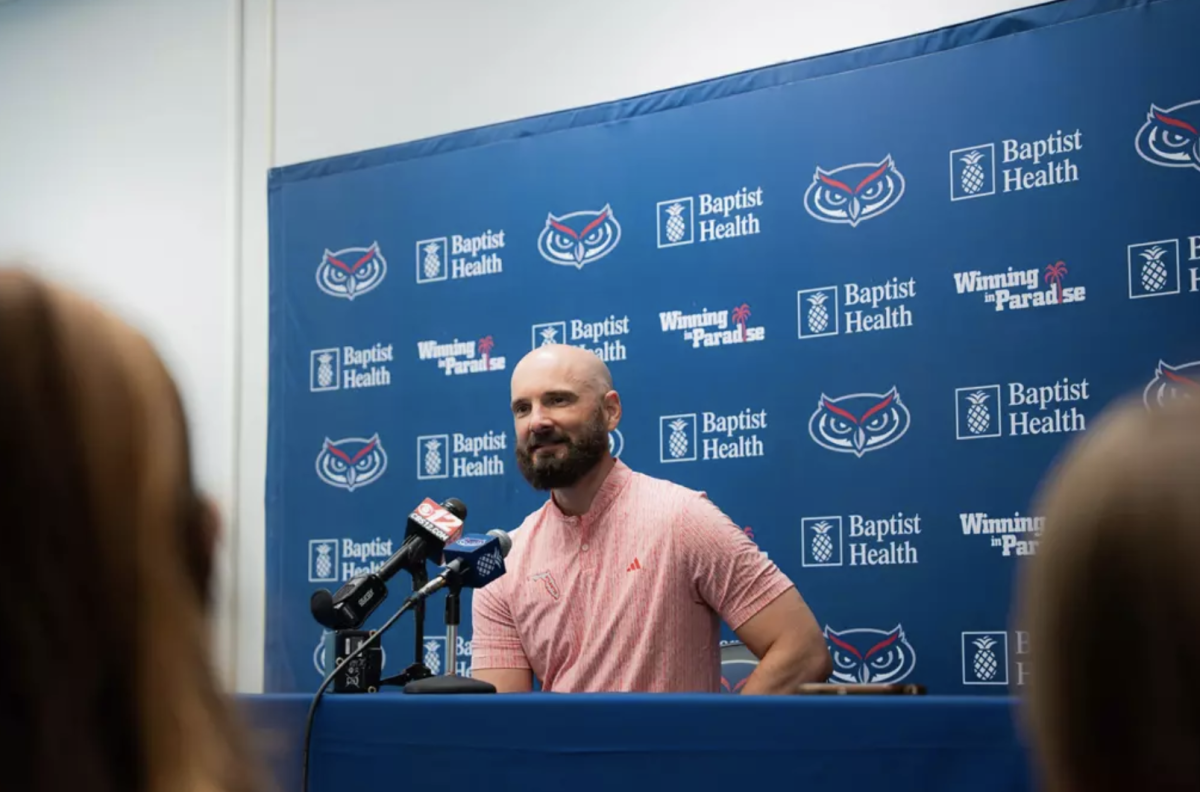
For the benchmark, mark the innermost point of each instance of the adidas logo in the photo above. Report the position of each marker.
(635, 565)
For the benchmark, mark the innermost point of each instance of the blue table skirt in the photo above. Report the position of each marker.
(622, 743)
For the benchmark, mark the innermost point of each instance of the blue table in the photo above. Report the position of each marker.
(623, 743)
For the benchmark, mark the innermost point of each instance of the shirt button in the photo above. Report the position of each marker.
(585, 547)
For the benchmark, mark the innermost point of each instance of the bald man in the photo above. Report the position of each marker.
(619, 582)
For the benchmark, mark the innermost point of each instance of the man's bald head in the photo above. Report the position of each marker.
(581, 368)
(563, 406)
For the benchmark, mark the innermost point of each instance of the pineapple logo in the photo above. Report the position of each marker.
(978, 418)
(322, 560)
(677, 438)
(818, 312)
(324, 370)
(1154, 269)
(549, 333)
(972, 172)
(432, 457)
(822, 542)
(431, 260)
(433, 655)
(985, 658)
(978, 412)
(675, 225)
(822, 545)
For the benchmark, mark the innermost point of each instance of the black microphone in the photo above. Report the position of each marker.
(429, 528)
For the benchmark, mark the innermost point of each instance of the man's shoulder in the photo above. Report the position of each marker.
(668, 498)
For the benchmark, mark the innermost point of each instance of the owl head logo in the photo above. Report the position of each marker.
(1169, 137)
(1172, 383)
(867, 655)
(854, 193)
(579, 238)
(860, 422)
(352, 462)
(351, 272)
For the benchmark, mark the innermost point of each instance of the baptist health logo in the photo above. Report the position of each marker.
(1154, 267)
(457, 256)
(462, 357)
(713, 328)
(979, 409)
(853, 194)
(338, 560)
(352, 462)
(460, 455)
(1025, 165)
(719, 436)
(986, 657)
(1015, 290)
(882, 541)
(351, 272)
(721, 217)
(869, 307)
(349, 368)
(579, 238)
(602, 338)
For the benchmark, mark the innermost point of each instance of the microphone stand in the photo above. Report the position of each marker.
(451, 682)
(418, 670)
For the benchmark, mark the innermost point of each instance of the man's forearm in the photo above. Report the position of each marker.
(787, 665)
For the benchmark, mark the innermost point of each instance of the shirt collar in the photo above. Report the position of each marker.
(612, 486)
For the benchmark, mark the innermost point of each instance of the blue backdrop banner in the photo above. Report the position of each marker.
(862, 301)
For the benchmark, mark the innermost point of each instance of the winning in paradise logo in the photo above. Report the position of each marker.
(351, 272)
(859, 423)
(709, 329)
(579, 238)
(1017, 535)
(1015, 290)
(462, 357)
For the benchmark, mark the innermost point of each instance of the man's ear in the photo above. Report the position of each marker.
(612, 409)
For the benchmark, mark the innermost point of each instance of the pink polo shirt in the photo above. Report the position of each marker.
(628, 597)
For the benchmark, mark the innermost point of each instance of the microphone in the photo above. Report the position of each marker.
(429, 528)
(471, 562)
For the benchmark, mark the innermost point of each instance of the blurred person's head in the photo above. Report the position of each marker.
(105, 678)
(1112, 605)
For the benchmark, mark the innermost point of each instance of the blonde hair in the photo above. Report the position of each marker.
(108, 661)
(1112, 604)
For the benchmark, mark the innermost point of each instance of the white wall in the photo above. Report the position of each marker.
(135, 136)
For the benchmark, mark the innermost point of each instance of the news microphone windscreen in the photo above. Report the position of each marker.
(442, 522)
(480, 556)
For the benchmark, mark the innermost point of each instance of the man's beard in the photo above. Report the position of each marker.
(550, 472)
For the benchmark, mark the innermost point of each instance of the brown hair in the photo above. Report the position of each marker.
(105, 682)
(1112, 604)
